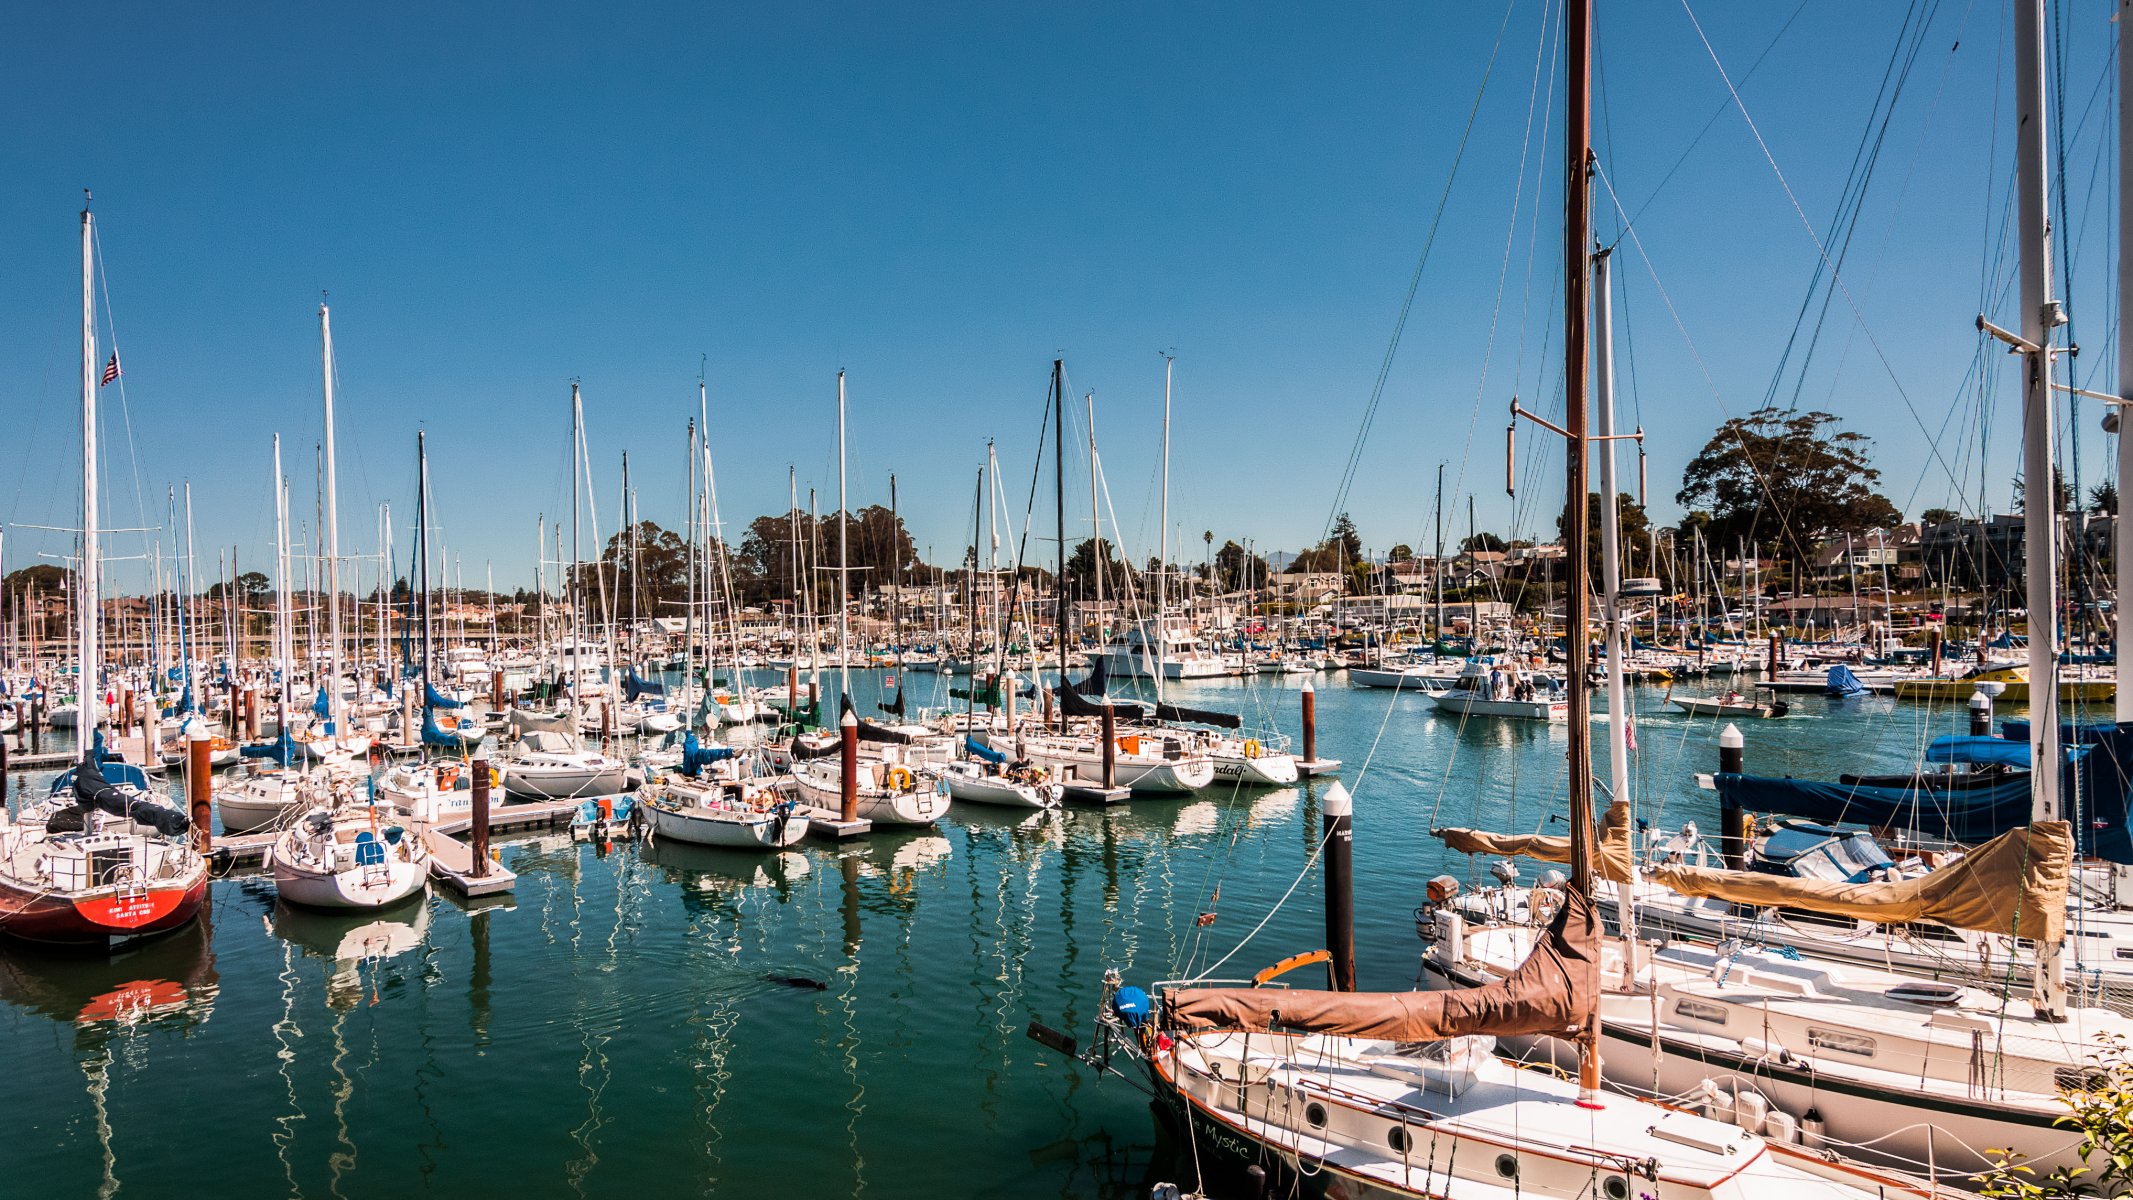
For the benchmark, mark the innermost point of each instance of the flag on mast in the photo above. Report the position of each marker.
(111, 370)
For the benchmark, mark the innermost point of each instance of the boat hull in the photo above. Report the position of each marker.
(101, 917)
(767, 830)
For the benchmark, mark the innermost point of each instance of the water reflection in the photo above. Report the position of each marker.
(168, 982)
(355, 943)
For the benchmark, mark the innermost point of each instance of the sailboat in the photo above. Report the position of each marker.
(269, 789)
(349, 851)
(100, 860)
(1929, 1072)
(1340, 1093)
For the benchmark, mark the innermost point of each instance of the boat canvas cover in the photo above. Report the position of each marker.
(1842, 682)
(695, 756)
(434, 734)
(2098, 782)
(525, 720)
(635, 685)
(91, 790)
(1983, 751)
(1556, 990)
(281, 750)
(1611, 859)
(2015, 884)
(432, 698)
(984, 751)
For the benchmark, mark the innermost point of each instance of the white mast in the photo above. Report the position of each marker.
(333, 537)
(844, 633)
(2040, 315)
(1163, 539)
(1611, 577)
(89, 690)
(2122, 521)
(570, 582)
(283, 652)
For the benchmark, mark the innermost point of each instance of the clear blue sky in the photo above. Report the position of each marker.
(939, 198)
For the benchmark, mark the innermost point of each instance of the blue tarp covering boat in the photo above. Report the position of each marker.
(1842, 682)
(1979, 751)
(1965, 808)
(635, 685)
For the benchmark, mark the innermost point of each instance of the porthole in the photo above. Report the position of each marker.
(1507, 1165)
(1616, 1187)
(1315, 1115)
(1398, 1140)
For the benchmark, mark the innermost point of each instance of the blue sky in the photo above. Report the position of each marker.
(941, 198)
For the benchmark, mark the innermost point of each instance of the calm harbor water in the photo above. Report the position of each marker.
(614, 1028)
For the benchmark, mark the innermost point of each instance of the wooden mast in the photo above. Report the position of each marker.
(1577, 237)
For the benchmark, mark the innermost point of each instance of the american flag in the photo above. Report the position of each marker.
(111, 370)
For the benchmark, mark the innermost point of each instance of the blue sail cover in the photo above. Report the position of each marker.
(1842, 682)
(635, 685)
(1988, 751)
(695, 756)
(983, 751)
(432, 698)
(281, 750)
(319, 702)
(436, 735)
(2096, 787)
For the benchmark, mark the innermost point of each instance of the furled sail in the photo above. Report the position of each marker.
(2015, 884)
(1611, 857)
(1556, 990)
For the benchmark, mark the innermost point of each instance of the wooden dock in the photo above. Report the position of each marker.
(451, 860)
(1094, 793)
(831, 826)
(1313, 768)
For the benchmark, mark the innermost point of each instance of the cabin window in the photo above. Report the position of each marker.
(2124, 952)
(1616, 1187)
(1398, 1140)
(1315, 1115)
(1700, 1010)
(1840, 1041)
(1507, 1165)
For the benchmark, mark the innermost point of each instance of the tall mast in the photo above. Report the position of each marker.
(570, 580)
(422, 543)
(2040, 517)
(844, 600)
(1097, 558)
(333, 535)
(1436, 567)
(283, 651)
(1162, 566)
(1577, 235)
(688, 660)
(2122, 521)
(1059, 614)
(89, 690)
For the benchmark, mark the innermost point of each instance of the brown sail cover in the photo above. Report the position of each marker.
(1554, 991)
(1611, 859)
(2014, 884)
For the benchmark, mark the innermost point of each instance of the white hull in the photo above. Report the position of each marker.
(548, 782)
(1267, 770)
(1468, 704)
(991, 789)
(820, 786)
(734, 829)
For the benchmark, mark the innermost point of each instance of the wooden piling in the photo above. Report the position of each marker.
(199, 788)
(848, 760)
(1310, 716)
(478, 827)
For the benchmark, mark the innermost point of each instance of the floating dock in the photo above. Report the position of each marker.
(1313, 768)
(824, 823)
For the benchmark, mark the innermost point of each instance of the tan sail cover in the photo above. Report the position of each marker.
(1611, 858)
(2014, 884)
(1554, 991)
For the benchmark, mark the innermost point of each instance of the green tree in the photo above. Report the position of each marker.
(2103, 499)
(1937, 516)
(1081, 570)
(1787, 479)
(646, 569)
(1232, 565)
(2099, 1103)
(1402, 552)
(250, 585)
(46, 578)
(1636, 531)
(1482, 541)
(1342, 549)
